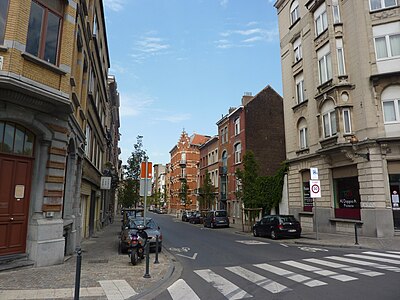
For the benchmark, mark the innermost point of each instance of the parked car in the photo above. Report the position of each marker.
(152, 230)
(127, 213)
(276, 226)
(216, 218)
(195, 218)
(186, 215)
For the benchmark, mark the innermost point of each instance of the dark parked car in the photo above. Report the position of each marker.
(128, 213)
(186, 215)
(216, 218)
(152, 230)
(195, 218)
(277, 226)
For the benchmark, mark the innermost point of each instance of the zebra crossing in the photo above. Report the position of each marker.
(346, 268)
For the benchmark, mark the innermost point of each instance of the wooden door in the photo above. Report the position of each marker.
(15, 186)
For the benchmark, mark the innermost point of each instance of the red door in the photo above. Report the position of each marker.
(15, 186)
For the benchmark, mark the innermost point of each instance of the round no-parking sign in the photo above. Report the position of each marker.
(315, 189)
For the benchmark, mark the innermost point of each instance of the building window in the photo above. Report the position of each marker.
(324, 64)
(346, 121)
(238, 153)
(300, 96)
(329, 124)
(387, 46)
(226, 134)
(44, 29)
(303, 136)
(340, 57)
(335, 11)
(88, 135)
(379, 4)
(294, 12)
(15, 139)
(3, 18)
(237, 126)
(391, 104)
(347, 198)
(320, 19)
(298, 54)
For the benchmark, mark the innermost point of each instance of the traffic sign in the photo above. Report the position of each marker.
(314, 173)
(149, 170)
(315, 189)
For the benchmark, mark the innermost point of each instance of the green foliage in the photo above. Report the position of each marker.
(259, 191)
(206, 192)
(184, 193)
(130, 187)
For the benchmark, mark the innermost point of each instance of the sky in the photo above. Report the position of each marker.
(181, 64)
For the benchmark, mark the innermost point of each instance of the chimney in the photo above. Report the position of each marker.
(247, 97)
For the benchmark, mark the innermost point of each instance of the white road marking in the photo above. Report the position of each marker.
(386, 260)
(344, 267)
(252, 242)
(225, 287)
(267, 284)
(284, 245)
(290, 275)
(365, 263)
(319, 271)
(382, 254)
(180, 290)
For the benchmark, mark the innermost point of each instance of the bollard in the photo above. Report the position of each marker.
(156, 260)
(78, 273)
(147, 274)
(355, 233)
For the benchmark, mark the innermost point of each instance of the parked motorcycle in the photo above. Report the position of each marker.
(137, 245)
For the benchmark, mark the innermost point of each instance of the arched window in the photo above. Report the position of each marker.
(329, 119)
(224, 159)
(294, 12)
(303, 135)
(16, 139)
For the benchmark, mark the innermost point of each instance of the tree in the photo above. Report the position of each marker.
(129, 195)
(184, 193)
(206, 192)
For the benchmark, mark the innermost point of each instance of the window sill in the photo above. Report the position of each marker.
(304, 103)
(3, 48)
(294, 23)
(43, 63)
(335, 220)
(382, 9)
(306, 213)
(303, 151)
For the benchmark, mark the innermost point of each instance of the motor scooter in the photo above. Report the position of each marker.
(137, 245)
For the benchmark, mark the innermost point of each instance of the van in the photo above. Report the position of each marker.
(216, 218)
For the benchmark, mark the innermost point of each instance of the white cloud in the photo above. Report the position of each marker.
(149, 45)
(175, 118)
(234, 38)
(134, 105)
(224, 3)
(115, 5)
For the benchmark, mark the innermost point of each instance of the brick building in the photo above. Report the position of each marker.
(209, 164)
(185, 156)
(256, 125)
(341, 73)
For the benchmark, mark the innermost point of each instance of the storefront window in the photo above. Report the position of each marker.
(347, 198)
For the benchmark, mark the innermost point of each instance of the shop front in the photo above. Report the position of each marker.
(394, 182)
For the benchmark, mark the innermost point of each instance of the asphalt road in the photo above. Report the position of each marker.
(226, 264)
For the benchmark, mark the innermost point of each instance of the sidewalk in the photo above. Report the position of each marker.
(341, 240)
(105, 274)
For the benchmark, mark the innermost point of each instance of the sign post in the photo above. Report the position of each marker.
(146, 173)
(315, 192)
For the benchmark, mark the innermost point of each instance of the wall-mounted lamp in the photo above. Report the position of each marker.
(354, 142)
